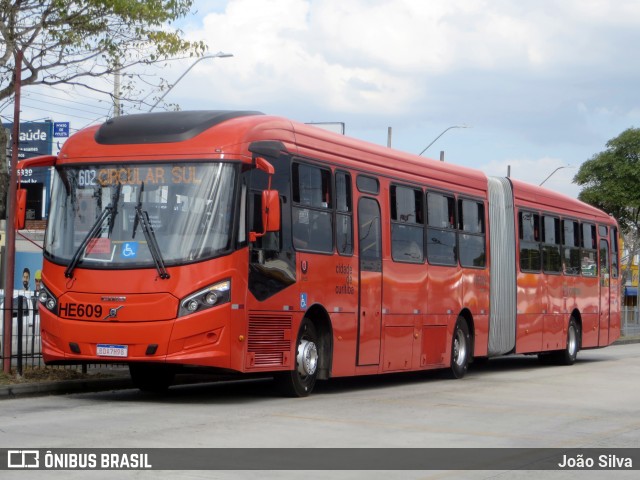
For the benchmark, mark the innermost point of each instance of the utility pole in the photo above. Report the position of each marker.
(4, 171)
(11, 233)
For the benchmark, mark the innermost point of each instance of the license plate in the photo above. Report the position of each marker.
(104, 350)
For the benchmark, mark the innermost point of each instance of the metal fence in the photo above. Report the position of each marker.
(630, 321)
(25, 333)
(26, 347)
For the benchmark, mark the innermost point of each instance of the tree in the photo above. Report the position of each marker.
(611, 181)
(72, 41)
(75, 42)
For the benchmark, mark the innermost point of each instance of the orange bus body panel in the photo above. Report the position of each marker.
(412, 308)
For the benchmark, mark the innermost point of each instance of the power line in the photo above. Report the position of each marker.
(64, 100)
(57, 112)
(65, 107)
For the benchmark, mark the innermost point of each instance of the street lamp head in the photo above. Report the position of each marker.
(219, 55)
(464, 125)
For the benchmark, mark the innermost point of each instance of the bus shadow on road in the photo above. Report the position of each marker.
(205, 389)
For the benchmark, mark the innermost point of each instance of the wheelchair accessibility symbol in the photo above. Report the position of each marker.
(303, 301)
(129, 250)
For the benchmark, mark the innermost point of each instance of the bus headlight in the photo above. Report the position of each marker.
(46, 298)
(211, 296)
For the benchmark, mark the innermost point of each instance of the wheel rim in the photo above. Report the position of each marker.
(307, 358)
(572, 340)
(459, 348)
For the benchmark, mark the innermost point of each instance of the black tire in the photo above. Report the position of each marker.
(460, 349)
(570, 353)
(300, 381)
(149, 377)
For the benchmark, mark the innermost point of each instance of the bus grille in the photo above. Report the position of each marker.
(269, 341)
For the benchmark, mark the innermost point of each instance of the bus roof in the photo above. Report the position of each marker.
(225, 134)
(547, 200)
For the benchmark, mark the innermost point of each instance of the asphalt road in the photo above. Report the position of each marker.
(508, 402)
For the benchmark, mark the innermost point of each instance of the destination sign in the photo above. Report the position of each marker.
(156, 175)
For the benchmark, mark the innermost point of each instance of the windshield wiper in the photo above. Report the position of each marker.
(152, 243)
(142, 218)
(97, 226)
(109, 210)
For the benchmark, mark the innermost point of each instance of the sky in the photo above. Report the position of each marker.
(540, 84)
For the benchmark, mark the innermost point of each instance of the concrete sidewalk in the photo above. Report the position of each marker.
(118, 379)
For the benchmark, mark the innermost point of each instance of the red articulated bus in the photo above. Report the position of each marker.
(253, 244)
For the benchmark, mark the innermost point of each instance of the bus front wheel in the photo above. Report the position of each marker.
(300, 381)
(460, 349)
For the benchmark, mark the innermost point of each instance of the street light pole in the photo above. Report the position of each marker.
(217, 55)
(551, 174)
(443, 132)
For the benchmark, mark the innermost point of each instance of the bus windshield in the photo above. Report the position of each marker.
(140, 215)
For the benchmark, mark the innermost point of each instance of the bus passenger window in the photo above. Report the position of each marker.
(368, 184)
(441, 233)
(471, 239)
(570, 247)
(551, 259)
(407, 234)
(529, 232)
(344, 214)
(312, 214)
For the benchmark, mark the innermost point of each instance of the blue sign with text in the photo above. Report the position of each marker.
(60, 129)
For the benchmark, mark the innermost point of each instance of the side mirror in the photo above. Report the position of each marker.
(270, 207)
(270, 210)
(21, 194)
(21, 209)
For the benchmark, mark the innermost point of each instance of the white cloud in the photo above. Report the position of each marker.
(538, 79)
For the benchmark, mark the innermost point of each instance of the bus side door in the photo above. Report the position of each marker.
(370, 281)
(605, 297)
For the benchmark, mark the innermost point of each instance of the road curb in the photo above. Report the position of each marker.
(65, 386)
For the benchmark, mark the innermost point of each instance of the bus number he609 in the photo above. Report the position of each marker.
(80, 310)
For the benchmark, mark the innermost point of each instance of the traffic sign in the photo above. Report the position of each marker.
(60, 129)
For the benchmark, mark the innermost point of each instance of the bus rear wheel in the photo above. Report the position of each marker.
(150, 377)
(300, 381)
(570, 353)
(460, 349)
